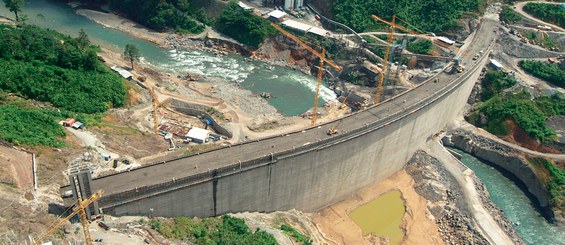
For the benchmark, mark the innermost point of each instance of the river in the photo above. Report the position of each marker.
(518, 206)
(292, 91)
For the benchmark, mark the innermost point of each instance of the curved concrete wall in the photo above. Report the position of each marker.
(305, 180)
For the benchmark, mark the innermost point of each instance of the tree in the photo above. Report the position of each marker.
(131, 53)
(14, 6)
(82, 40)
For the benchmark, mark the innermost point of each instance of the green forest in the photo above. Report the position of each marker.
(44, 65)
(552, 13)
(528, 114)
(546, 71)
(158, 14)
(218, 230)
(427, 15)
(243, 26)
(47, 66)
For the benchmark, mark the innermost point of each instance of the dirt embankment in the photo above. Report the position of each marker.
(446, 202)
(509, 159)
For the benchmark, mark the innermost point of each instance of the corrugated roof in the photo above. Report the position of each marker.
(198, 133)
(244, 6)
(277, 14)
(496, 63)
(125, 74)
(297, 25)
(318, 31)
(446, 40)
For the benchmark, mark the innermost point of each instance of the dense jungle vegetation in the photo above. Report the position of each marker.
(546, 71)
(427, 15)
(552, 13)
(44, 65)
(47, 66)
(243, 26)
(220, 230)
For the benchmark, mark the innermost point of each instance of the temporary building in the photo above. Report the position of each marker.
(77, 125)
(125, 74)
(318, 31)
(293, 24)
(496, 64)
(198, 135)
(277, 15)
(446, 40)
(244, 6)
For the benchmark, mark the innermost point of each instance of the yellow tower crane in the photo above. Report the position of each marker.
(320, 71)
(385, 58)
(155, 101)
(79, 209)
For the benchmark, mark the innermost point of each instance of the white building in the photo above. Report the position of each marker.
(125, 74)
(293, 4)
(198, 135)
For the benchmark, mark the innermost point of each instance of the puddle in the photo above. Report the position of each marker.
(382, 216)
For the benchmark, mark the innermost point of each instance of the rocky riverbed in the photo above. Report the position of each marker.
(447, 205)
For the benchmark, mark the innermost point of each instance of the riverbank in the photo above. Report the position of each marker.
(511, 160)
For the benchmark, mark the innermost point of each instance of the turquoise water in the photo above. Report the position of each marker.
(517, 206)
(292, 90)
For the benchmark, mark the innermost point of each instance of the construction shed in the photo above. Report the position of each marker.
(198, 135)
(277, 16)
(496, 65)
(292, 24)
(446, 40)
(125, 74)
(244, 6)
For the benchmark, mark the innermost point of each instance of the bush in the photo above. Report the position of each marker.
(243, 26)
(297, 235)
(494, 82)
(29, 126)
(420, 47)
(222, 230)
(556, 183)
(548, 72)
(552, 13)
(509, 16)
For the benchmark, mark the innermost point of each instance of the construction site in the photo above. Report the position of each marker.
(200, 142)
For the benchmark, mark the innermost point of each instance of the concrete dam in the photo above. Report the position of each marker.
(305, 170)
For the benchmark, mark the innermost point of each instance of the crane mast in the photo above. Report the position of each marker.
(81, 206)
(385, 59)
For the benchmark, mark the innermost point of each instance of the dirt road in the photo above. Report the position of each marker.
(519, 8)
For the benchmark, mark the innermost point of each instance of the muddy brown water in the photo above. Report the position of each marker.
(382, 216)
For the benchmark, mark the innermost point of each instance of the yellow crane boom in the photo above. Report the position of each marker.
(155, 101)
(311, 50)
(319, 83)
(81, 206)
(393, 24)
(385, 60)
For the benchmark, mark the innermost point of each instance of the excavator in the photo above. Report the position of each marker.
(333, 130)
(79, 209)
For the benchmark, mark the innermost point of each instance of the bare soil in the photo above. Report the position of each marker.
(417, 223)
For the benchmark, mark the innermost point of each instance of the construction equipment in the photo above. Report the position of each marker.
(155, 101)
(385, 58)
(333, 130)
(316, 96)
(80, 209)
(311, 50)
